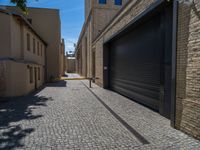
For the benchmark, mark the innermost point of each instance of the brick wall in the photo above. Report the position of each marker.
(134, 8)
(188, 60)
(188, 69)
(2, 77)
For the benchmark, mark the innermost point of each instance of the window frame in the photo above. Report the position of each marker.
(103, 2)
(38, 48)
(39, 73)
(34, 45)
(31, 74)
(118, 2)
(28, 41)
(41, 49)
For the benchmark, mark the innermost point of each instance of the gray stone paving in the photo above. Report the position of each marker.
(66, 115)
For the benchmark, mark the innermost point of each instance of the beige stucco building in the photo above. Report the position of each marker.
(22, 56)
(127, 64)
(24, 52)
(48, 25)
(46, 22)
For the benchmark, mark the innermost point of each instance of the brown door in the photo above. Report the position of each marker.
(35, 72)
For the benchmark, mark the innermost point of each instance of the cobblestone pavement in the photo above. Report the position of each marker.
(67, 115)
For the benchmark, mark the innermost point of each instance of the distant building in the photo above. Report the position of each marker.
(22, 55)
(70, 62)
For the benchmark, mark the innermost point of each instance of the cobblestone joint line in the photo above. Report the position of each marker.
(124, 123)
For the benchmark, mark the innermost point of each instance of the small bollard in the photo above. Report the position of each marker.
(90, 82)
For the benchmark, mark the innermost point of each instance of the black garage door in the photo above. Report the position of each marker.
(140, 62)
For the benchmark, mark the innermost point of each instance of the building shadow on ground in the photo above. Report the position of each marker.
(57, 84)
(12, 111)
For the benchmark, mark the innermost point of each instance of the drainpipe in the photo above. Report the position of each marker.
(174, 63)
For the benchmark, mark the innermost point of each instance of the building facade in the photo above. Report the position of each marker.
(98, 14)
(22, 56)
(149, 52)
(48, 25)
(70, 61)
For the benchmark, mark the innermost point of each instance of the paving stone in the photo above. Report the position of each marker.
(66, 115)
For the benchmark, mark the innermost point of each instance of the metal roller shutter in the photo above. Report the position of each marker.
(140, 62)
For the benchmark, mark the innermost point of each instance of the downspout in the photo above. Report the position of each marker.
(174, 63)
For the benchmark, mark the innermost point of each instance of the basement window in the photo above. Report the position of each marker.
(118, 2)
(102, 1)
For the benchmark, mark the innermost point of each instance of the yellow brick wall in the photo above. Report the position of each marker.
(188, 69)
(188, 60)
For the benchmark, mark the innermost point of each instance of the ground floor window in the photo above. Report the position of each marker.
(31, 74)
(38, 73)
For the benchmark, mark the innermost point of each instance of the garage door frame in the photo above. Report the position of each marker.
(152, 10)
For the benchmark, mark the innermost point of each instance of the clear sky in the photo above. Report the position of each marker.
(71, 13)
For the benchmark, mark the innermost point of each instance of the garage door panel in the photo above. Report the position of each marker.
(140, 90)
(138, 97)
(139, 61)
(136, 84)
(135, 62)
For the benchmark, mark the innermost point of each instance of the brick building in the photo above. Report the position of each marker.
(147, 50)
(97, 16)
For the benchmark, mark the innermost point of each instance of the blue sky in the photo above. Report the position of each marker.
(71, 13)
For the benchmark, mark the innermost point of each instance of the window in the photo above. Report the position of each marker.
(38, 73)
(31, 74)
(34, 46)
(28, 41)
(102, 1)
(41, 49)
(118, 2)
(38, 48)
